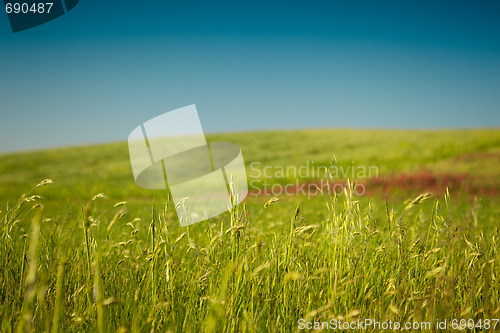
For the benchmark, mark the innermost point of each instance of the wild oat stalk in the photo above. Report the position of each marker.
(30, 285)
(98, 294)
(59, 297)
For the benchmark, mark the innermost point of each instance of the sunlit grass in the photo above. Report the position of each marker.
(74, 259)
(263, 266)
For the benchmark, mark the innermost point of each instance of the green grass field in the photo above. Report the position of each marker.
(75, 260)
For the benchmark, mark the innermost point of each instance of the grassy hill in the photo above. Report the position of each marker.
(81, 172)
(76, 261)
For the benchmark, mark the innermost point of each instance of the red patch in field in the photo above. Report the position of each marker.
(414, 183)
(418, 182)
(433, 183)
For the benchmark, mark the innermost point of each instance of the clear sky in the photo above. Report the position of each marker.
(105, 67)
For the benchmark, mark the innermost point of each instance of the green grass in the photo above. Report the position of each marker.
(77, 261)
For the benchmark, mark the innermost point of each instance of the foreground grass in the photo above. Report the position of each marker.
(77, 261)
(256, 270)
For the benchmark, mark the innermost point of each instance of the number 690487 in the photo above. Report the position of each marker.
(25, 8)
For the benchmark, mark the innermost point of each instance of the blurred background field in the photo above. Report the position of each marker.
(82, 171)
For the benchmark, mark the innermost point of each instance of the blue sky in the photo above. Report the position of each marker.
(97, 72)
